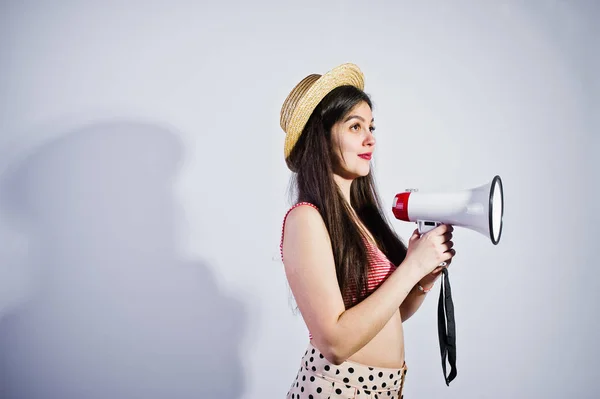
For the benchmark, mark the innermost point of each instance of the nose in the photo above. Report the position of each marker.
(370, 139)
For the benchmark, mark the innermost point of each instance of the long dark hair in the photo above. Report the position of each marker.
(313, 161)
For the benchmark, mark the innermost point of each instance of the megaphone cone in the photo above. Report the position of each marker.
(480, 209)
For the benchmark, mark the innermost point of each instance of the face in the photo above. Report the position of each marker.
(353, 142)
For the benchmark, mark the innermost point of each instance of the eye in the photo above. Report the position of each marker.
(372, 129)
(355, 127)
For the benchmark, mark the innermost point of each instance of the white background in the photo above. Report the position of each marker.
(143, 187)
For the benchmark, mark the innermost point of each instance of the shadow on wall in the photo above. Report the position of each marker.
(113, 313)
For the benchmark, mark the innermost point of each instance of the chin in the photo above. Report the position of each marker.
(354, 173)
(361, 172)
(365, 171)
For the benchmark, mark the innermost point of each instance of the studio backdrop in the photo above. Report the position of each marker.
(143, 187)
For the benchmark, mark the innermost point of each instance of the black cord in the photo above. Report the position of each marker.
(447, 327)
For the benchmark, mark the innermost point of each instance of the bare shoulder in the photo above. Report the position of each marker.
(303, 217)
(304, 230)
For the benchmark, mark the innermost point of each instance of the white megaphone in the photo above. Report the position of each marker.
(480, 209)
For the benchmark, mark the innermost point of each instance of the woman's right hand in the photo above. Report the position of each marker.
(427, 251)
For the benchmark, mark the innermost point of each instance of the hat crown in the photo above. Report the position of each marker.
(292, 100)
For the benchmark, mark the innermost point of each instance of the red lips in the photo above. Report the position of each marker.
(366, 156)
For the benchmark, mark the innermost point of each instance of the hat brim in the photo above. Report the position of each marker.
(343, 75)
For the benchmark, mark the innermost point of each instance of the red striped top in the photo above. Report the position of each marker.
(380, 267)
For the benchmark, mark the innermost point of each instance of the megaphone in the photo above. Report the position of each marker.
(480, 208)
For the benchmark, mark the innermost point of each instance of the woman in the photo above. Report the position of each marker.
(353, 279)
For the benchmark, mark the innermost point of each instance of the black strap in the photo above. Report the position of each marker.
(447, 327)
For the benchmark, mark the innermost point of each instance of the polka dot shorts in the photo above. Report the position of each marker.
(318, 378)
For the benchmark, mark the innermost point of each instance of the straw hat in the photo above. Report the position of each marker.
(303, 99)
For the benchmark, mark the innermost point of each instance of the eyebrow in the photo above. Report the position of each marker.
(356, 117)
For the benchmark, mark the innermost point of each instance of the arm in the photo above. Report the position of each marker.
(310, 270)
(415, 299)
(412, 303)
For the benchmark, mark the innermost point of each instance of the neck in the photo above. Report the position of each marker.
(344, 185)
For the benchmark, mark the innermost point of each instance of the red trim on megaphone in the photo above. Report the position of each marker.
(400, 208)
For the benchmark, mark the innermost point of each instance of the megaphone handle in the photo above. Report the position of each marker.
(425, 226)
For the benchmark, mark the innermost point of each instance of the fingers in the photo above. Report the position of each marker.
(441, 233)
(446, 258)
(448, 255)
(443, 239)
(415, 235)
(447, 237)
(443, 229)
